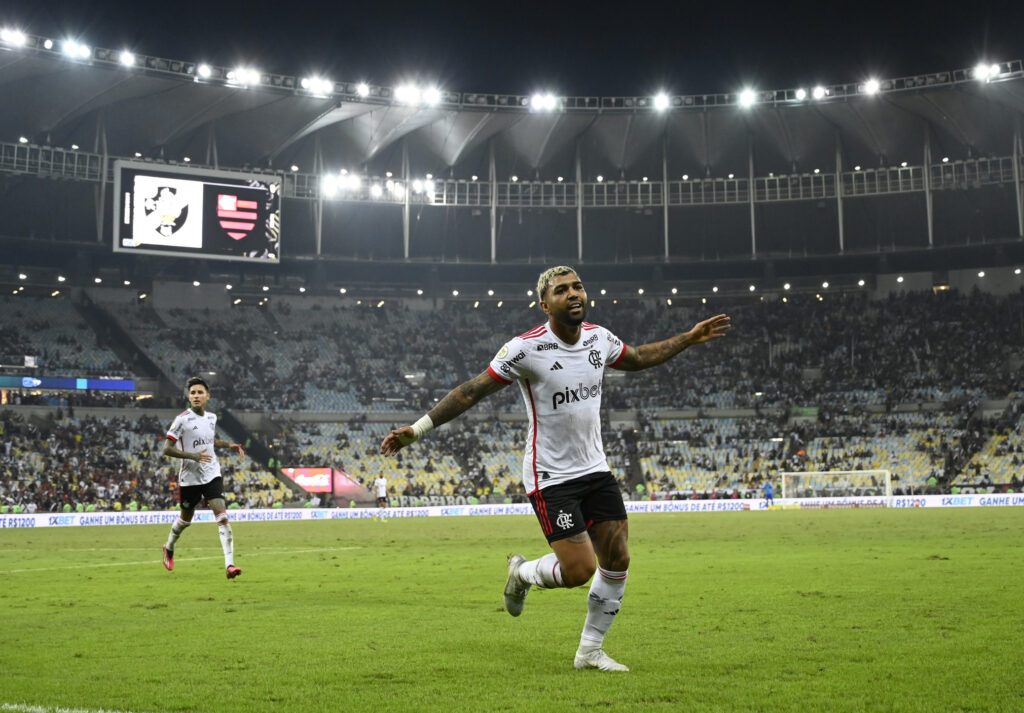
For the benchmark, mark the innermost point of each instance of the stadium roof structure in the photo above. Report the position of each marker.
(915, 163)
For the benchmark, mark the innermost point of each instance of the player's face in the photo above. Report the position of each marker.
(198, 396)
(566, 300)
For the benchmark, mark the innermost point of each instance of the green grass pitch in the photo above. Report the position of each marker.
(857, 610)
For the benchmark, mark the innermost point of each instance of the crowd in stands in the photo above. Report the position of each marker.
(64, 464)
(896, 383)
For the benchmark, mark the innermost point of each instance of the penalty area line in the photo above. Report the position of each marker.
(257, 553)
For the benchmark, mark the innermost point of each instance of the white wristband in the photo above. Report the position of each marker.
(419, 429)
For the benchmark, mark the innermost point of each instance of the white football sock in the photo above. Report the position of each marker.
(176, 529)
(227, 539)
(545, 572)
(603, 604)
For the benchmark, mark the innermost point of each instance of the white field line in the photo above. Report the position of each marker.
(151, 562)
(25, 708)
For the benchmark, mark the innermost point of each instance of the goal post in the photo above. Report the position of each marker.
(837, 484)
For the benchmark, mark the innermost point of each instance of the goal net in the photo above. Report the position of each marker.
(838, 484)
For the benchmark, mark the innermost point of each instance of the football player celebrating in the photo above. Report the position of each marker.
(559, 367)
(192, 438)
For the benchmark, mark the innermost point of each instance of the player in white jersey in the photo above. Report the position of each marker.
(380, 486)
(192, 438)
(559, 367)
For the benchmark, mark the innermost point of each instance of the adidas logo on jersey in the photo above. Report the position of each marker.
(555, 367)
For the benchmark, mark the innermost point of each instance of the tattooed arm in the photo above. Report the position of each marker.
(458, 400)
(647, 355)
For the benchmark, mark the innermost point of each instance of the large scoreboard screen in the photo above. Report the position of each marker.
(173, 210)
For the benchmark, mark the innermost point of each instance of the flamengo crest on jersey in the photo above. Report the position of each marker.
(561, 386)
(193, 433)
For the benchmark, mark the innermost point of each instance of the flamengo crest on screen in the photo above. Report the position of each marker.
(237, 216)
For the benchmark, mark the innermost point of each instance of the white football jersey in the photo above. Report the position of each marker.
(561, 386)
(381, 485)
(193, 433)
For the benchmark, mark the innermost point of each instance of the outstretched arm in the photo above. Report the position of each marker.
(458, 400)
(647, 355)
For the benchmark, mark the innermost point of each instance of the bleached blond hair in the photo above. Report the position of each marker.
(545, 278)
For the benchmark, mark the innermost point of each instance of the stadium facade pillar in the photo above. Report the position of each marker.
(100, 191)
(664, 188)
(318, 207)
(492, 176)
(929, 208)
(212, 159)
(579, 203)
(405, 198)
(839, 191)
(1016, 177)
(750, 195)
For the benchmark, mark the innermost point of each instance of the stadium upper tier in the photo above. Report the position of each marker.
(365, 174)
(846, 351)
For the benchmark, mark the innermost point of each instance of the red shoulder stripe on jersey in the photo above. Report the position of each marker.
(588, 327)
(530, 332)
(171, 438)
(496, 376)
(621, 354)
(534, 336)
(183, 413)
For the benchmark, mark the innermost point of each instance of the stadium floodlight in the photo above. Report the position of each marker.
(266, 288)
(818, 170)
(645, 178)
(13, 37)
(317, 85)
(455, 293)
(983, 71)
(74, 147)
(187, 159)
(544, 102)
(686, 177)
(398, 190)
(751, 288)
(408, 94)
(675, 290)
(731, 175)
(945, 159)
(514, 178)
(431, 96)
(747, 98)
(714, 288)
(860, 283)
(195, 283)
(824, 285)
(872, 86)
(138, 154)
(302, 290)
(560, 179)
(529, 293)
(204, 71)
(786, 286)
(661, 101)
(903, 164)
(61, 278)
(98, 280)
(428, 186)
(77, 50)
(819, 92)
(294, 168)
(127, 58)
(417, 186)
(128, 283)
(363, 89)
(329, 185)
(376, 191)
(981, 273)
(22, 139)
(490, 293)
(604, 291)
(501, 302)
(429, 176)
(600, 178)
(22, 276)
(352, 182)
(899, 279)
(856, 168)
(1017, 271)
(474, 177)
(243, 76)
(54, 293)
(640, 291)
(801, 94)
(343, 290)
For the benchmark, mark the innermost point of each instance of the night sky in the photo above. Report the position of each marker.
(597, 48)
